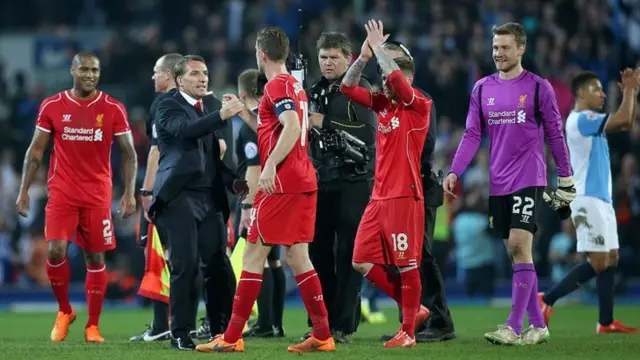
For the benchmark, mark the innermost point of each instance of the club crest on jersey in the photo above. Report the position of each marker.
(66, 118)
(99, 120)
(522, 101)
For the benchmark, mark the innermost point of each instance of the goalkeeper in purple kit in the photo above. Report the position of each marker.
(517, 109)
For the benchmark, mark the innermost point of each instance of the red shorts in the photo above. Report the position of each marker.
(93, 228)
(391, 232)
(283, 219)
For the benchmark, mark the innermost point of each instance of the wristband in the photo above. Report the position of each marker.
(144, 192)
(246, 206)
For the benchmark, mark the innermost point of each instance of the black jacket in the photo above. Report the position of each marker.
(182, 134)
(433, 193)
(343, 114)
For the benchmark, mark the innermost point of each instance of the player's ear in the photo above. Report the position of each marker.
(179, 81)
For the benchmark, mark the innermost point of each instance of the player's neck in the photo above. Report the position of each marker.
(274, 69)
(580, 107)
(251, 104)
(513, 73)
(81, 95)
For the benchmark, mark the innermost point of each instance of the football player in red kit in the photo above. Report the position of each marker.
(82, 122)
(284, 207)
(392, 228)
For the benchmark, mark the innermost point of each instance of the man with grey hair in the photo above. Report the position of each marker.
(151, 286)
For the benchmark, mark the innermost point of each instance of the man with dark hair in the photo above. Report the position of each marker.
(82, 122)
(190, 205)
(518, 110)
(283, 211)
(344, 186)
(273, 291)
(592, 211)
(152, 285)
(439, 326)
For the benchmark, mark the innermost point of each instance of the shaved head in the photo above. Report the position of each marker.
(77, 58)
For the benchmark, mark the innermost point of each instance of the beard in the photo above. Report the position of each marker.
(506, 66)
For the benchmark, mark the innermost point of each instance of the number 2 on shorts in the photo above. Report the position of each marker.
(400, 242)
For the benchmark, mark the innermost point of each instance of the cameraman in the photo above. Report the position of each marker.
(439, 326)
(344, 186)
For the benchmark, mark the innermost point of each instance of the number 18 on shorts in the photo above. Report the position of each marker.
(391, 233)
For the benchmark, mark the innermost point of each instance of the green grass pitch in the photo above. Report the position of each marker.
(25, 336)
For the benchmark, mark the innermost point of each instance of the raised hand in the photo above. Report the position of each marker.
(630, 79)
(365, 51)
(375, 33)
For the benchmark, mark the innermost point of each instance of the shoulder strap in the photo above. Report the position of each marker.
(536, 98)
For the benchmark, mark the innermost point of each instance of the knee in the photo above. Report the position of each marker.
(598, 261)
(518, 249)
(57, 250)
(93, 258)
(362, 268)
(612, 258)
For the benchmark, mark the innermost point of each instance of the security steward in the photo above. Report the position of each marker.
(342, 145)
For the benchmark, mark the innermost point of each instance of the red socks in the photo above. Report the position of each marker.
(387, 282)
(95, 287)
(311, 293)
(246, 294)
(59, 275)
(411, 291)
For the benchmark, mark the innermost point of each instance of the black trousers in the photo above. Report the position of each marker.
(194, 231)
(338, 215)
(433, 292)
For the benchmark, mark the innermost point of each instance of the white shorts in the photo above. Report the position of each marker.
(595, 223)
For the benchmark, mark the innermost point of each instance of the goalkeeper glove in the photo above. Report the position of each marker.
(566, 191)
(564, 212)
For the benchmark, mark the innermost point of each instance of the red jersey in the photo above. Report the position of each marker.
(295, 174)
(82, 133)
(402, 131)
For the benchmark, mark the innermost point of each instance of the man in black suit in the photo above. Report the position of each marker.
(190, 206)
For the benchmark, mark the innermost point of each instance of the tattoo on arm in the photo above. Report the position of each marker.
(385, 61)
(352, 77)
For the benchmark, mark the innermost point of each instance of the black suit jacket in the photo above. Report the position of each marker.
(183, 134)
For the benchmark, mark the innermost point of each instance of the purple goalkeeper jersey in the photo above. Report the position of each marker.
(517, 127)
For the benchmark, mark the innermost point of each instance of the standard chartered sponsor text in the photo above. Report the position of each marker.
(77, 134)
(502, 117)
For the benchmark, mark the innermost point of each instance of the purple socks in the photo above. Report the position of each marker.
(524, 297)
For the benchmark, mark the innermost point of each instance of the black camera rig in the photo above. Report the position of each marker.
(339, 143)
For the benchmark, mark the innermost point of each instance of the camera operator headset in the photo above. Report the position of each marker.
(439, 326)
(342, 145)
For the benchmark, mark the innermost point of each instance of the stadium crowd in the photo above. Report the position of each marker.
(451, 44)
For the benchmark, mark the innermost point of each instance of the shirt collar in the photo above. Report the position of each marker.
(189, 99)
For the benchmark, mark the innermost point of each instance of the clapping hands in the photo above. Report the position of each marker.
(630, 79)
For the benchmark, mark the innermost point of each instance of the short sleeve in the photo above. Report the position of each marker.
(43, 121)
(120, 118)
(591, 123)
(281, 94)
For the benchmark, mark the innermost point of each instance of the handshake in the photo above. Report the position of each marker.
(231, 107)
(561, 198)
